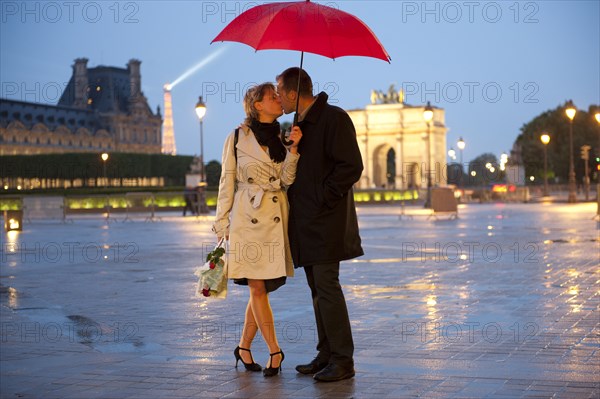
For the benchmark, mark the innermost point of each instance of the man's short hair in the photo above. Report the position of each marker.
(289, 80)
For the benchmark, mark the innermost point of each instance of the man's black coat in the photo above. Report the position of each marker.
(323, 227)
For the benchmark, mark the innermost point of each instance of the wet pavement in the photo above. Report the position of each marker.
(500, 303)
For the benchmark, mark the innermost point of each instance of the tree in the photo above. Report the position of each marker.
(484, 171)
(213, 173)
(555, 123)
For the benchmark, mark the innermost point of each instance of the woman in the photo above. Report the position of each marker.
(252, 211)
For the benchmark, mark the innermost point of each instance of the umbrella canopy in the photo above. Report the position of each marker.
(306, 27)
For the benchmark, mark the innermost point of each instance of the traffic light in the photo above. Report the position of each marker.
(585, 152)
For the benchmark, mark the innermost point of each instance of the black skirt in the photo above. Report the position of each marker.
(270, 285)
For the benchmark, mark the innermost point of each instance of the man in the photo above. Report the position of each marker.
(323, 227)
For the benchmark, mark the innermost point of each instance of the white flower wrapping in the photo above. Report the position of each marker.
(212, 275)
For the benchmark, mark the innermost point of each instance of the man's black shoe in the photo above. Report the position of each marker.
(313, 367)
(333, 372)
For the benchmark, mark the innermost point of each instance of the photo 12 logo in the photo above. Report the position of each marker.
(70, 252)
(471, 332)
(453, 12)
(37, 92)
(234, 91)
(227, 11)
(472, 92)
(53, 12)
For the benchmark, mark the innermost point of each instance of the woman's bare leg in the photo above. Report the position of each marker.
(263, 315)
(248, 333)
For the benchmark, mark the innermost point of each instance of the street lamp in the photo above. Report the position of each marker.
(200, 112)
(104, 158)
(428, 116)
(452, 154)
(461, 146)
(545, 140)
(570, 110)
(597, 116)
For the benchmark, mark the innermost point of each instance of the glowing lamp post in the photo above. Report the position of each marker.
(200, 112)
(461, 146)
(104, 158)
(597, 116)
(452, 154)
(545, 138)
(570, 110)
(428, 117)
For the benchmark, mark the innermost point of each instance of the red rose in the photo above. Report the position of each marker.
(206, 292)
(212, 265)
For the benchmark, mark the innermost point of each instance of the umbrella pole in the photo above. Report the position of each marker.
(283, 138)
(298, 89)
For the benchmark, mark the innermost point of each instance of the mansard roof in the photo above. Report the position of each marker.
(30, 114)
(108, 89)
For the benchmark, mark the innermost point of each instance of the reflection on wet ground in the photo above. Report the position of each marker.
(502, 302)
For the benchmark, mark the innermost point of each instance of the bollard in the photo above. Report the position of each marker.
(13, 220)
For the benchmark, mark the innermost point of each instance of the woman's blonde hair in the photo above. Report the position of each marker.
(254, 94)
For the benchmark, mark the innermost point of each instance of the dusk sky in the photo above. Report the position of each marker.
(492, 66)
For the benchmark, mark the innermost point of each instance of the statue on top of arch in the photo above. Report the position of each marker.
(391, 97)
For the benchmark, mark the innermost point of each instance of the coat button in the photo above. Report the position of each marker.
(250, 180)
(254, 221)
(272, 179)
(275, 199)
(276, 219)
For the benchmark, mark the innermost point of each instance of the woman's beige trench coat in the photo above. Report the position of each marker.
(252, 208)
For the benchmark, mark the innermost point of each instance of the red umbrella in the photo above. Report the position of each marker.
(303, 26)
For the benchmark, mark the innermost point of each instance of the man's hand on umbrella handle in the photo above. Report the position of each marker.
(294, 139)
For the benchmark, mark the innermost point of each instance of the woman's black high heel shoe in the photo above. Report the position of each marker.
(271, 371)
(249, 366)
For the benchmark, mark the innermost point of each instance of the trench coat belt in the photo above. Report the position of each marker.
(257, 191)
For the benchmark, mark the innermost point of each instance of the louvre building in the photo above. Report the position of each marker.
(102, 109)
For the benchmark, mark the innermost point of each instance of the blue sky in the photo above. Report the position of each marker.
(492, 66)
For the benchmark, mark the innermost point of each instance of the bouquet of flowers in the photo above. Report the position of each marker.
(213, 274)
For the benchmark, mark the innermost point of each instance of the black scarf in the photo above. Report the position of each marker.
(268, 134)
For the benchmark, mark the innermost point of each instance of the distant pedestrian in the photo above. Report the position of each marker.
(188, 197)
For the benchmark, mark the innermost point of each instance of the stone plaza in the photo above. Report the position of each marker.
(502, 302)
